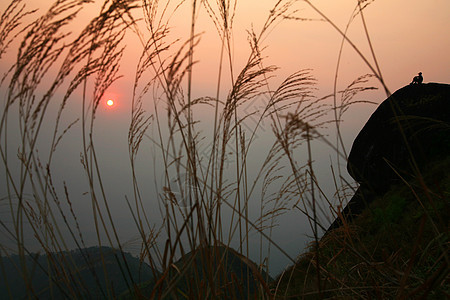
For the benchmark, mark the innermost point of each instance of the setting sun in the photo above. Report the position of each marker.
(110, 103)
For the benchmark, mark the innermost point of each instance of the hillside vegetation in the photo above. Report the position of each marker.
(398, 247)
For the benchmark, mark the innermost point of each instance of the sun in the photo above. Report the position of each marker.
(110, 102)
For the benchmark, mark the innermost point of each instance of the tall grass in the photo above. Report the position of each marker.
(204, 200)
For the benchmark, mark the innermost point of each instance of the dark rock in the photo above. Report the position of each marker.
(407, 131)
(412, 123)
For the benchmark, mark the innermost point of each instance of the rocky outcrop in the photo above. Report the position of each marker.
(407, 131)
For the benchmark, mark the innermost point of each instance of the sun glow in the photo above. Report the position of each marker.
(110, 103)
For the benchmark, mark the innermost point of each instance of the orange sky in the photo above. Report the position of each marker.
(408, 36)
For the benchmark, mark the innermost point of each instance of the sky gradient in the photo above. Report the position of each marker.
(408, 36)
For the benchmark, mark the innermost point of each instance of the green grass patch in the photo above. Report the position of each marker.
(397, 247)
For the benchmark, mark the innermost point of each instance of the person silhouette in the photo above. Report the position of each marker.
(417, 79)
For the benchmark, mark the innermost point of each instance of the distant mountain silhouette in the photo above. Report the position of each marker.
(78, 273)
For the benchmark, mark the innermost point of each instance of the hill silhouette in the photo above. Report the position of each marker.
(391, 241)
(88, 273)
(406, 132)
(218, 272)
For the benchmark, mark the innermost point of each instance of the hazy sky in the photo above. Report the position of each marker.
(408, 36)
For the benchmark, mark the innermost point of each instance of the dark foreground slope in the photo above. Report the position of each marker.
(397, 244)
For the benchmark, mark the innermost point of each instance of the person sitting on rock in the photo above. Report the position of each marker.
(417, 79)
